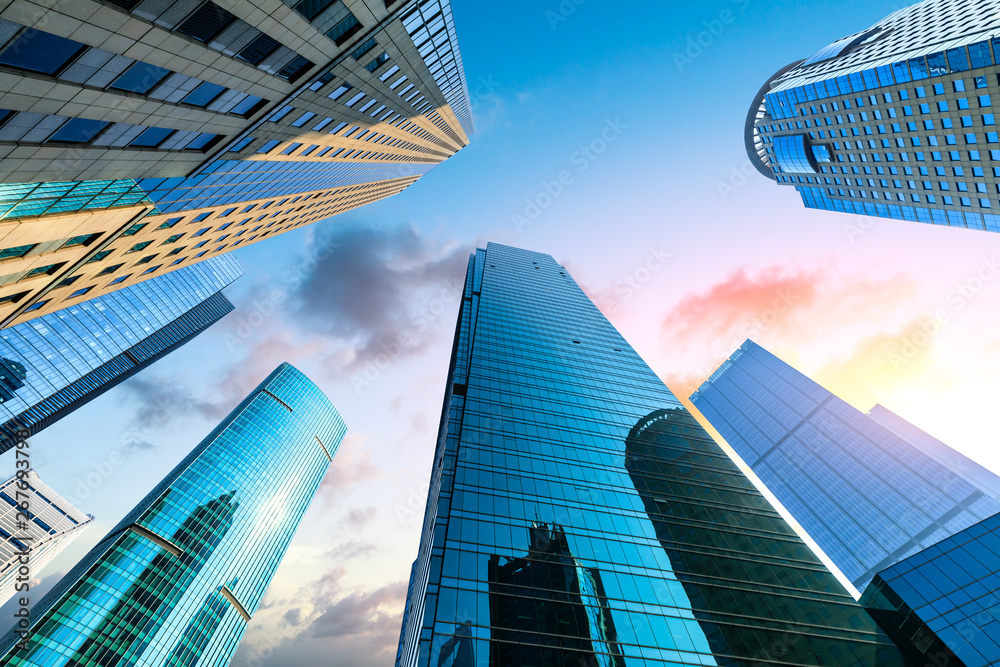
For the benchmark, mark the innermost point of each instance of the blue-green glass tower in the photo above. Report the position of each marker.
(179, 578)
(579, 515)
(56, 363)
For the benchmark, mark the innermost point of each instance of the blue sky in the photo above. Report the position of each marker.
(665, 184)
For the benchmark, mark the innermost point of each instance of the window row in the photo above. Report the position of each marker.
(220, 30)
(70, 61)
(27, 127)
(785, 103)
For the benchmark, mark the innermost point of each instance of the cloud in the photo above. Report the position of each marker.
(38, 589)
(741, 302)
(778, 306)
(293, 616)
(378, 289)
(160, 402)
(359, 517)
(352, 466)
(349, 550)
(355, 613)
(881, 364)
(360, 628)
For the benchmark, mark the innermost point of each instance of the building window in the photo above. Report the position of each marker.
(41, 52)
(36, 306)
(206, 23)
(80, 292)
(344, 30)
(269, 146)
(204, 94)
(170, 223)
(280, 113)
(134, 229)
(17, 251)
(137, 247)
(151, 270)
(250, 105)
(140, 78)
(173, 239)
(120, 280)
(261, 47)
(47, 270)
(145, 260)
(378, 62)
(79, 131)
(99, 256)
(68, 281)
(339, 92)
(110, 269)
(84, 240)
(203, 142)
(295, 69)
(310, 9)
(303, 119)
(151, 137)
(360, 52)
(13, 298)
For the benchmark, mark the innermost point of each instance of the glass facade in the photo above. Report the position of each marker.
(57, 362)
(54, 524)
(234, 181)
(942, 605)
(985, 480)
(149, 593)
(25, 200)
(578, 515)
(866, 496)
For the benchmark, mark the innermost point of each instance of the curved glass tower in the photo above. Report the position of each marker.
(895, 121)
(179, 578)
(578, 515)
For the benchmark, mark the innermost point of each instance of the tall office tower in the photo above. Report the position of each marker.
(944, 602)
(54, 524)
(895, 121)
(866, 496)
(981, 478)
(157, 133)
(578, 515)
(57, 363)
(149, 593)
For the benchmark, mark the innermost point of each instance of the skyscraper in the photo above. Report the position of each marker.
(52, 365)
(895, 121)
(54, 524)
(943, 604)
(179, 578)
(157, 133)
(577, 514)
(866, 496)
(985, 480)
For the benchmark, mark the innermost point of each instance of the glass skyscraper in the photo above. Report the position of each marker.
(985, 480)
(56, 363)
(895, 121)
(942, 605)
(578, 515)
(187, 128)
(179, 578)
(866, 496)
(54, 524)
